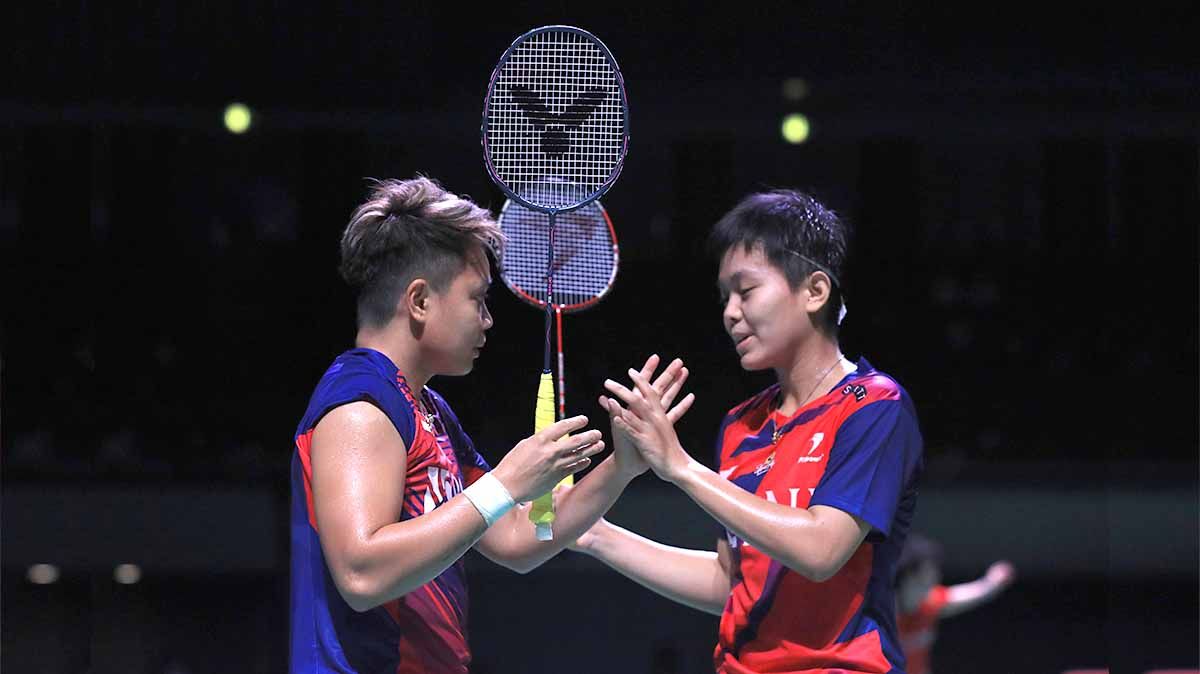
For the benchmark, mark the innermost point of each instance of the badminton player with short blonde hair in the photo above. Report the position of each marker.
(388, 490)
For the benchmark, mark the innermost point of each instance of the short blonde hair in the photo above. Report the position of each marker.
(409, 229)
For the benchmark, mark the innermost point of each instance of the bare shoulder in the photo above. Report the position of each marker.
(359, 425)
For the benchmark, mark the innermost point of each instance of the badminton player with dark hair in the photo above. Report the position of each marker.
(816, 479)
(388, 492)
(922, 600)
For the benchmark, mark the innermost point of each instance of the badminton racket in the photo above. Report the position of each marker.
(555, 133)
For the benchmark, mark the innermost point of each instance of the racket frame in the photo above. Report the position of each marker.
(540, 303)
(487, 104)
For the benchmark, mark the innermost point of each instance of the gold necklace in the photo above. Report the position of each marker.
(778, 433)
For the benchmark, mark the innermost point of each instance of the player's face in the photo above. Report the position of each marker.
(460, 317)
(766, 319)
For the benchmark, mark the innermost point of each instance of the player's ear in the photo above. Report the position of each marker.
(819, 290)
(416, 299)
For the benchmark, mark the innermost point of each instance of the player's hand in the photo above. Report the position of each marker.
(668, 384)
(646, 421)
(539, 462)
(1001, 574)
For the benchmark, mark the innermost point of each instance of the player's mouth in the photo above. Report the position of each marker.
(740, 344)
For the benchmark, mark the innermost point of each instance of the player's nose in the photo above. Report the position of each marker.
(731, 313)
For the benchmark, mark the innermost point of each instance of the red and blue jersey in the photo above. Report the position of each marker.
(858, 449)
(426, 629)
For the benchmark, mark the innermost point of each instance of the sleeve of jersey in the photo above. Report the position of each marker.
(872, 459)
(365, 386)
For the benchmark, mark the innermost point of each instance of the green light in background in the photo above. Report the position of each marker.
(238, 118)
(795, 128)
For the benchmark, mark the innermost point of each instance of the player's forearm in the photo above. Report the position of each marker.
(693, 578)
(403, 556)
(575, 513)
(792, 536)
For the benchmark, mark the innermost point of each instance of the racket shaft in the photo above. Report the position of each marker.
(562, 377)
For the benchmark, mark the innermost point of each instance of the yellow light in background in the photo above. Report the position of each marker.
(127, 574)
(795, 128)
(238, 118)
(795, 89)
(43, 574)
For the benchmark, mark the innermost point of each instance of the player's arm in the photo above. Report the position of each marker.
(358, 464)
(512, 542)
(966, 596)
(372, 557)
(696, 578)
(814, 542)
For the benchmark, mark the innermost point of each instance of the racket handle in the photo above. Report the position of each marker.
(541, 513)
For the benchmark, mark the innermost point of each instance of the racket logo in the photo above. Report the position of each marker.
(554, 126)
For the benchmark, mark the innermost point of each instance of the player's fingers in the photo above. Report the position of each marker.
(626, 424)
(615, 411)
(611, 406)
(576, 466)
(674, 388)
(651, 400)
(590, 449)
(563, 427)
(650, 366)
(682, 408)
(667, 377)
(575, 443)
(617, 389)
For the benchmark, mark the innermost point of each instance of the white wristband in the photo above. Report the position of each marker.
(489, 497)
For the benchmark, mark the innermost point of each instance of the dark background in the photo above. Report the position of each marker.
(1024, 185)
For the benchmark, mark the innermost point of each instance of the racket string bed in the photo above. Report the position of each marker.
(537, 94)
(584, 263)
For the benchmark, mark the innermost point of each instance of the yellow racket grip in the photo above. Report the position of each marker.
(541, 513)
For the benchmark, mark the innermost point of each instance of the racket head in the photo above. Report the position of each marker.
(555, 110)
(586, 255)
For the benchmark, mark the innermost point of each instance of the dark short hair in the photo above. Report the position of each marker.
(917, 550)
(798, 235)
(409, 229)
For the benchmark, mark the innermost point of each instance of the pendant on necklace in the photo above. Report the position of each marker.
(765, 465)
(776, 435)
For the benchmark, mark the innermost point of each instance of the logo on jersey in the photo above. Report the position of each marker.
(793, 495)
(858, 390)
(816, 442)
(443, 486)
